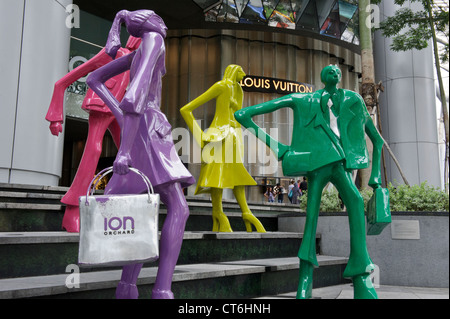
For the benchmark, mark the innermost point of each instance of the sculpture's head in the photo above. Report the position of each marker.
(142, 21)
(234, 73)
(331, 75)
(138, 23)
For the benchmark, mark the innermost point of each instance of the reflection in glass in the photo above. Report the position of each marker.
(283, 16)
(332, 23)
(240, 5)
(298, 7)
(346, 13)
(335, 18)
(253, 13)
(323, 10)
(269, 6)
(308, 19)
(351, 32)
(228, 12)
(211, 15)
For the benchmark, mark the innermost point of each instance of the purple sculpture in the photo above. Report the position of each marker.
(146, 140)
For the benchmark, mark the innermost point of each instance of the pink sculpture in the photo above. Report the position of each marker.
(100, 119)
(147, 142)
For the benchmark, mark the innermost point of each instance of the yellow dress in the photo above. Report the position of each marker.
(222, 143)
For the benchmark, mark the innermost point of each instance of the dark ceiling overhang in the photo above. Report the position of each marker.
(185, 14)
(177, 14)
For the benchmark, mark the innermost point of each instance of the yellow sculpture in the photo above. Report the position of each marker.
(223, 149)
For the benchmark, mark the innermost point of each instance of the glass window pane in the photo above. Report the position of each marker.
(253, 13)
(269, 6)
(205, 4)
(211, 15)
(331, 26)
(351, 32)
(240, 5)
(323, 9)
(346, 13)
(308, 18)
(283, 16)
(228, 12)
(298, 7)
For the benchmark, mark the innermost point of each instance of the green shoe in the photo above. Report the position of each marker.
(363, 287)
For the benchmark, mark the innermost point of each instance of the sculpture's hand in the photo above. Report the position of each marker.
(56, 128)
(111, 48)
(282, 149)
(122, 164)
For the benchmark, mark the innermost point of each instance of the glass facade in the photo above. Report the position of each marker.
(333, 18)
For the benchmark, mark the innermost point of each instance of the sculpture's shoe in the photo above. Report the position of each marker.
(249, 220)
(126, 291)
(363, 287)
(71, 219)
(221, 223)
(162, 294)
(305, 280)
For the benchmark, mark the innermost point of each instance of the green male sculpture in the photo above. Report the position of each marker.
(328, 144)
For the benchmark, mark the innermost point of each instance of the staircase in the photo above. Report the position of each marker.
(38, 260)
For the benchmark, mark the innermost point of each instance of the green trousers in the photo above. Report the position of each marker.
(359, 261)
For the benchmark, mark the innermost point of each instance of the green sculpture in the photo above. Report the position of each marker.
(328, 144)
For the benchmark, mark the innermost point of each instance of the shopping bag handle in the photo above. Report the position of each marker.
(108, 170)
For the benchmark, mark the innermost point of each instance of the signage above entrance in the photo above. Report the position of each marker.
(270, 85)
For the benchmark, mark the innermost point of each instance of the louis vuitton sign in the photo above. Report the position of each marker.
(270, 85)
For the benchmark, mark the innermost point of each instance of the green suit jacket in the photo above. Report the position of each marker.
(314, 144)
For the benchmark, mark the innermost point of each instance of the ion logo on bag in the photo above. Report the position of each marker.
(118, 226)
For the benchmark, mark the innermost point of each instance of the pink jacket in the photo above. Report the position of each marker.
(92, 102)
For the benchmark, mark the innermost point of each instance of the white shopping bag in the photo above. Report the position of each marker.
(117, 230)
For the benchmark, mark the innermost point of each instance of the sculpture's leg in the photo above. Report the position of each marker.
(170, 245)
(306, 271)
(98, 123)
(359, 264)
(247, 216)
(127, 286)
(307, 253)
(171, 238)
(363, 287)
(220, 220)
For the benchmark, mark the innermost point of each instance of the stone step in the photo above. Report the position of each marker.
(43, 217)
(232, 279)
(4, 187)
(47, 253)
(38, 208)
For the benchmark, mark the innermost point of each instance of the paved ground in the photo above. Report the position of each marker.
(384, 292)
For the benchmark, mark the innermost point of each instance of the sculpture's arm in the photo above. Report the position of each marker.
(56, 109)
(148, 61)
(377, 141)
(245, 115)
(97, 79)
(134, 103)
(187, 110)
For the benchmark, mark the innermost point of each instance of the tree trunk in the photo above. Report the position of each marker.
(441, 83)
(368, 86)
